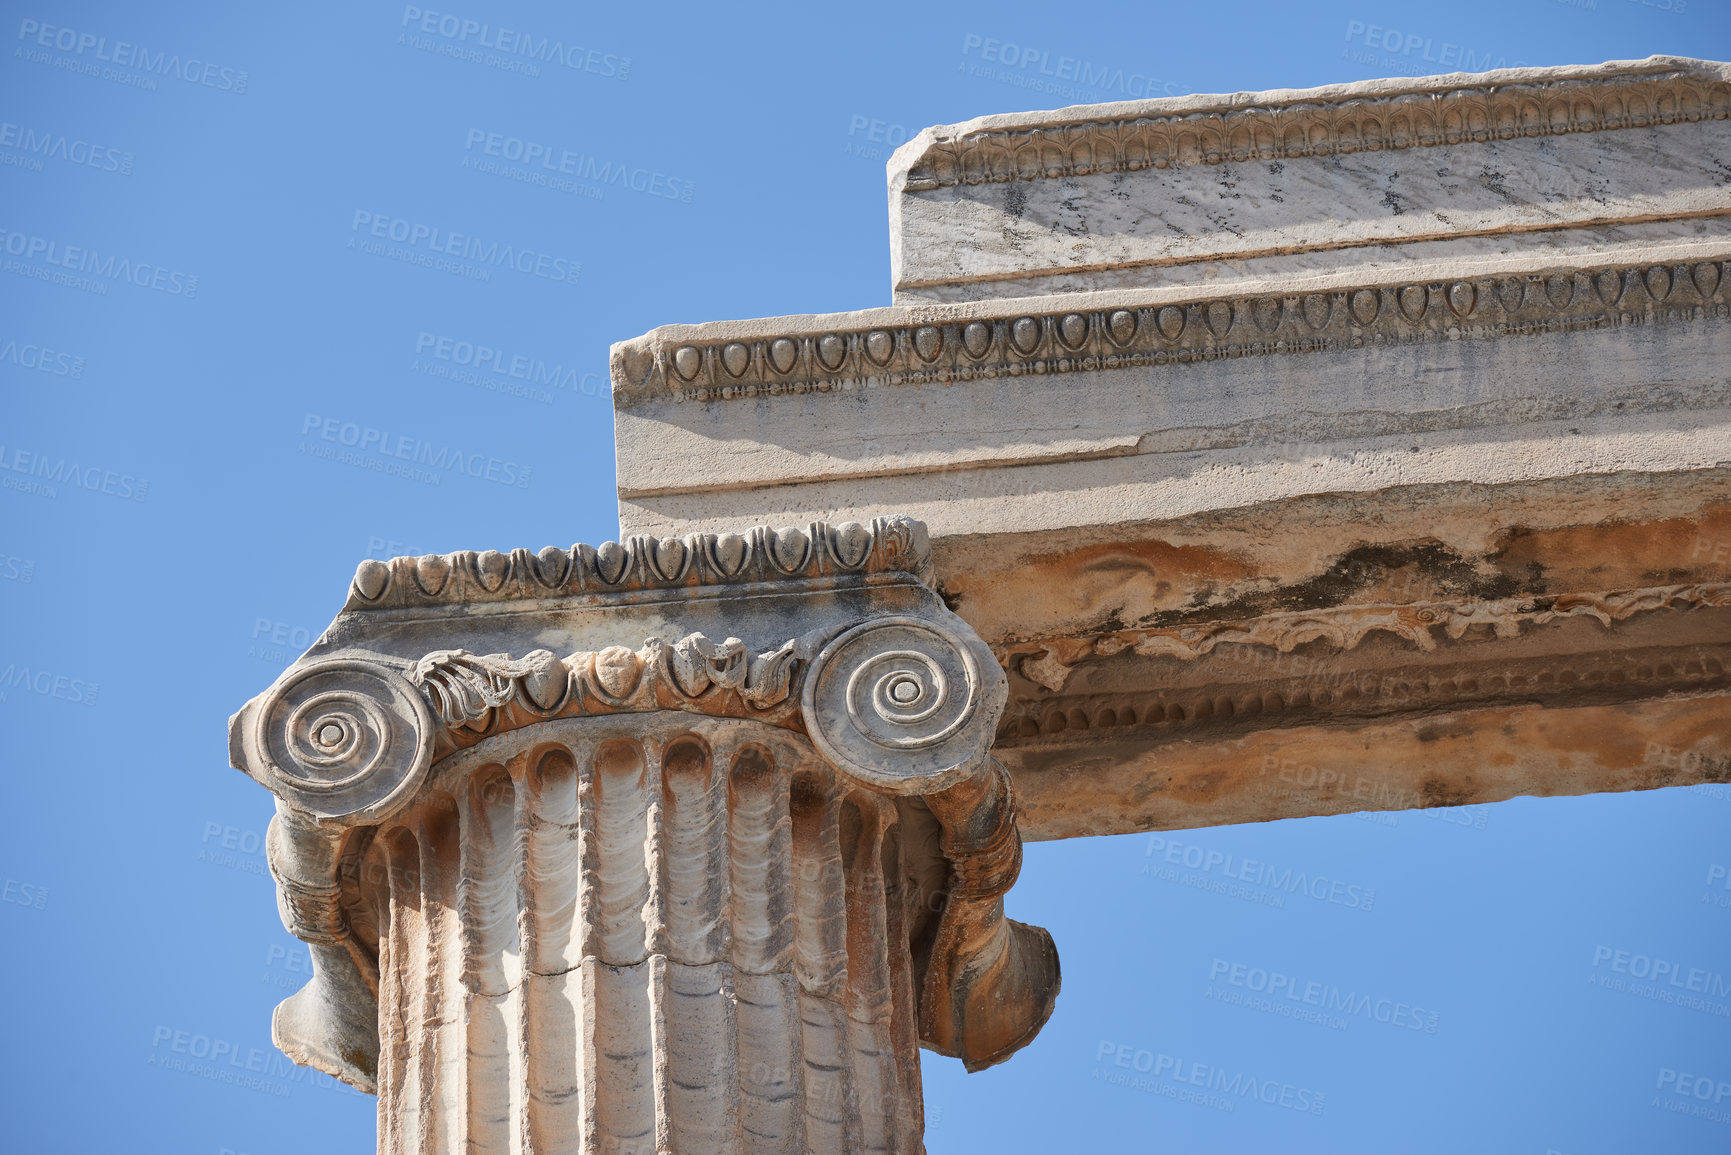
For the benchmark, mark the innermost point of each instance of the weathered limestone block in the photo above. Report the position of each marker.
(1406, 477)
(1576, 164)
(695, 896)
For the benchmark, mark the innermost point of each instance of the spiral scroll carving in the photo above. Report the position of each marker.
(900, 704)
(344, 739)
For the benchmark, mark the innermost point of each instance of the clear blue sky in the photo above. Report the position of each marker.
(192, 286)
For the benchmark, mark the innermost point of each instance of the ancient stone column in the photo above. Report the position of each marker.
(685, 895)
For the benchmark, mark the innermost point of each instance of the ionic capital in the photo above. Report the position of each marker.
(668, 677)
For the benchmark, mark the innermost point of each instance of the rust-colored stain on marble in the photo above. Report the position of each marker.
(1471, 758)
(1112, 585)
(1614, 554)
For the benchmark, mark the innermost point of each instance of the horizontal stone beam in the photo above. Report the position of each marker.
(1467, 758)
(1577, 162)
(1114, 408)
(1220, 410)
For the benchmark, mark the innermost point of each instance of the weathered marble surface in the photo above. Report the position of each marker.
(1295, 455)
(640, 943)
(707, 893)
(1495, 371)
(1575, 163)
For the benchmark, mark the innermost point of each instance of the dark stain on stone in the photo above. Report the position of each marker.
(1513, 550)
(1456, 728)
(1615, 553)
(1494, 182)
(1438, 792)
(1442, 568)
(360, 1060)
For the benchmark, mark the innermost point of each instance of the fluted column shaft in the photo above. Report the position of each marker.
(640, 934)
